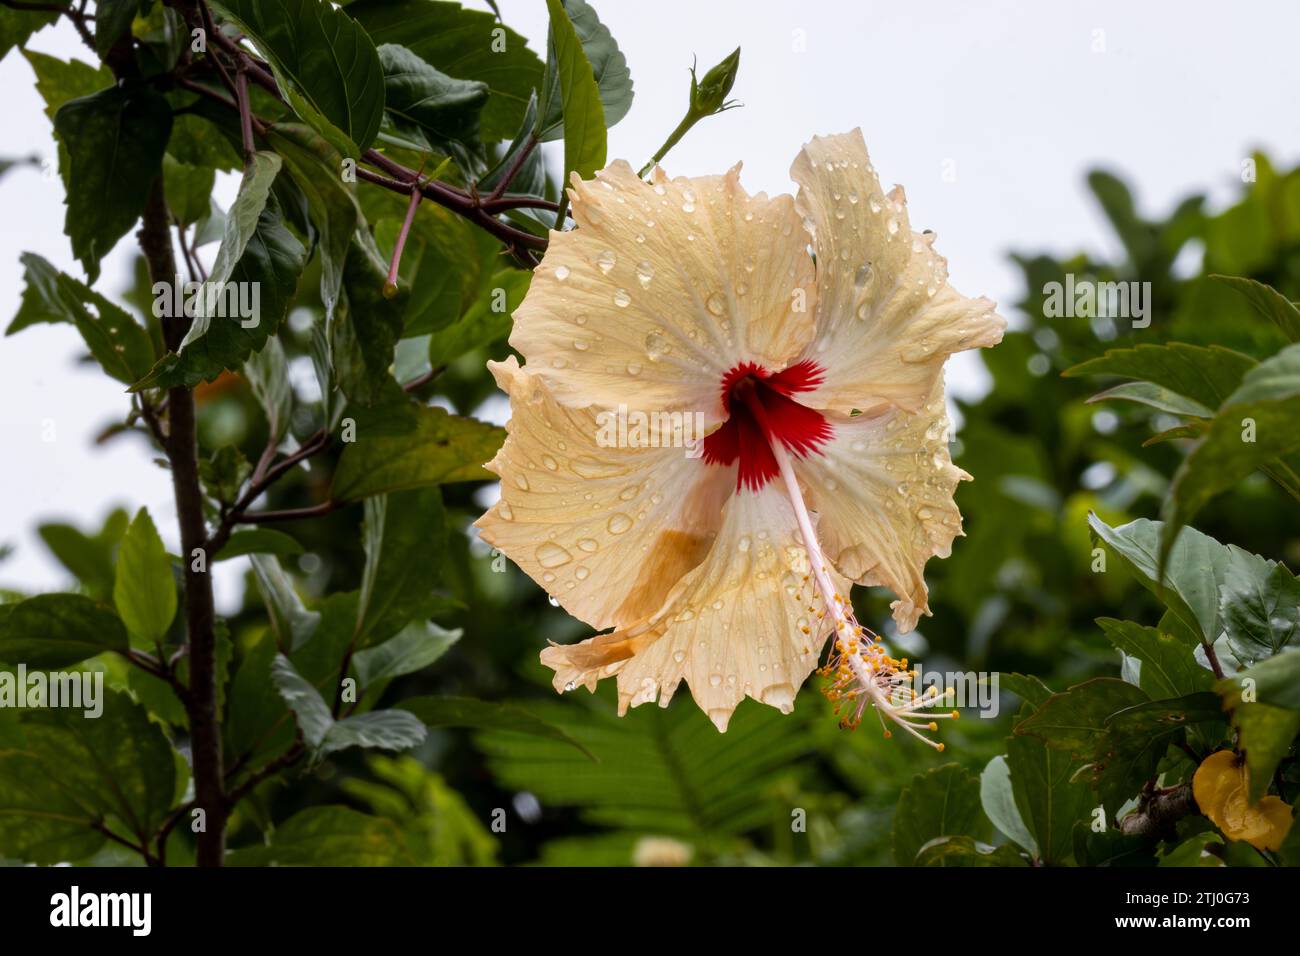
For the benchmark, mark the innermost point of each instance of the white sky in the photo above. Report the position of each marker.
(1012, 92)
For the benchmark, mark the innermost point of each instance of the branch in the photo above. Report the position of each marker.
(149, 858)
(290, 514)
(200, 615)
(516, 164)
(282, 762)
(1158, 811)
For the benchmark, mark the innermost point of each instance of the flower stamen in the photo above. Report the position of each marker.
(860, 669)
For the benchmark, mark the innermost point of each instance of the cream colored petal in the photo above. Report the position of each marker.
(732, 629)
(886, 317)
(883, 491)
(607, 530)
(662, 288)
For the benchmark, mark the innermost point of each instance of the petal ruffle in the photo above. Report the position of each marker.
(886, 317)
(608, 531)
(732, 629)
(883, 490)
(662, 288)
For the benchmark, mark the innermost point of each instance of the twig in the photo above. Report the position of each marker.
(245, 113)
(290, 514)
(516, 164)
(285, 760)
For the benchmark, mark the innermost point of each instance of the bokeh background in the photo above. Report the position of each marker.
(1152, 142)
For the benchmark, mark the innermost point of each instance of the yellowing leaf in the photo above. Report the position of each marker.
(1219, 787)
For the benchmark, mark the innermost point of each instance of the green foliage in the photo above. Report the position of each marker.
(571, 92)
(117, 341)
(383, 624)
(443, 448)
(115, 140)
(144, 591)
(57, 630)
(326, 64)
(943, 802)
(662, 772)
(460, 43)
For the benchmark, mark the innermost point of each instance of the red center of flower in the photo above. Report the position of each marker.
(759, 411)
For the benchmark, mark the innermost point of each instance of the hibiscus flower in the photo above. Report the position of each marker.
(808, 336)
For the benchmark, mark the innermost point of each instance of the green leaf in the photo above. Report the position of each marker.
(375, 729)
(1206, 375)
(1135, 739)
(40, 821)
(999, 803)
(17, 27)
(117, 341)
(58, 81)
(404, 535)
(258, 541)
(241, 222)
(1169, 665)
(317, 169)
(1275, 681)
(574, 86)
(1268, 302)
(51, 631)
(384, 729)
(145, 591)
(258, 724)
(325, 62)
(112, 19)
(443, 449)
(662, 772)
(966, 851)
(413, 648)
(1196, 569)
(1262, 614)
(88, 557)
(188, 189)
(266, 278)
(1156, 396)
(115, 140)
(440, 828)
(1027, 687)
(608, 65)
(267, 373)
(119, 767)
(306, 702)
(1075, 720)
(443, 110)
(943, 802)
(487, 322)
(291, 622)
(329, 836)
(1046, 798)
(1268, 400)
(365, 327)
(467, 44)
(1110, 847)
(485, 715)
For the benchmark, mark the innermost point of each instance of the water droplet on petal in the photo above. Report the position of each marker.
(622, 299)
(644, 273)
(716, 304)
(561, 272)
(606, 261)
(618, 523)
(551, 555)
